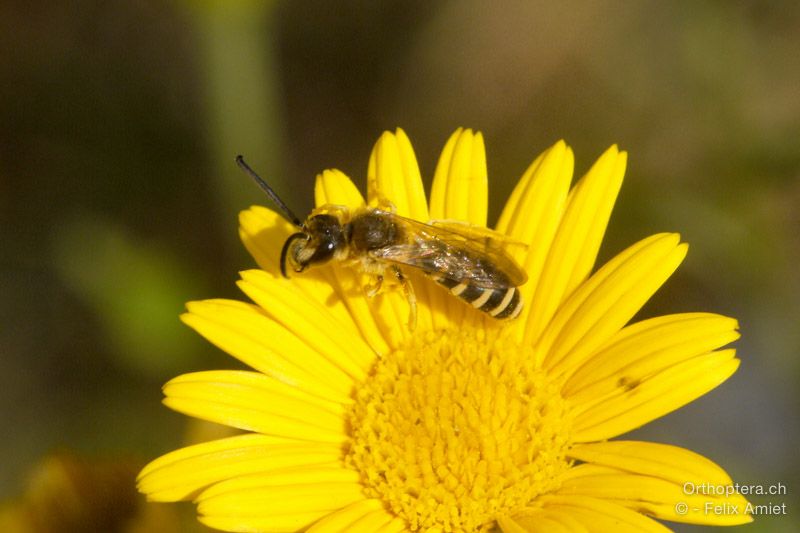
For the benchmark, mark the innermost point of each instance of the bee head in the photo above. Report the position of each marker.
(322, 236)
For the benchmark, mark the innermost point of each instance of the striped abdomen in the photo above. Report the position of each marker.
(500, 303)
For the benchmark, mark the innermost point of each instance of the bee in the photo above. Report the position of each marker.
(471, 263)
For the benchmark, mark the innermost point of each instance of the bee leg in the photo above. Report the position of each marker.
(408, 290)
(372, 290)
(385, 205)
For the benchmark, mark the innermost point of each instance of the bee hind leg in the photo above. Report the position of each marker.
(408, 290)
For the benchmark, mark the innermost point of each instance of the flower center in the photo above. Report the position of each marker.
(454, 429)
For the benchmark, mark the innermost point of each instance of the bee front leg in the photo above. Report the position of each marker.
(408, 290)
(385, 205)
(373, 289)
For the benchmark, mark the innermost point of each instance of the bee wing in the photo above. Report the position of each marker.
(477, 258)
(469, 231)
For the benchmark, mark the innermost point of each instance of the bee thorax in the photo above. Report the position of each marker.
(372, 231)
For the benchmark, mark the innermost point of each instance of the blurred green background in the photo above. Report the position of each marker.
(119, 122)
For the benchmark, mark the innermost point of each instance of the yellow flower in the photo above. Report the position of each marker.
(356, 423)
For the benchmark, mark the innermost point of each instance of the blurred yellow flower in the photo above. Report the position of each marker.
(356, 423)
(64, 491)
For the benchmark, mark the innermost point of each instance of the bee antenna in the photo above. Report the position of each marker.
(291, 217)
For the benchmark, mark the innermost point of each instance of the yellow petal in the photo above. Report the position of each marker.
(545, 521)
(663, 461)
(289, 500)
(654, 496)
(182, 474)
(365, 516)
(309, 320)
(648, 347)
(601, 306)
(288, 522)
(508, 525)
(245, 332)
(377, 322)
(395, 526)
(340, 520)
(459, 192)
(332, 187)
(263, 233)
(239, 493)
(373, 522)
(588, 210)
(599, 515)
(382, 319)
(306, 476)
(532, 215)
(550, 173)
(572, 254)
(255, 402)
(393, 175)
(460, 184)
(636, 400)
